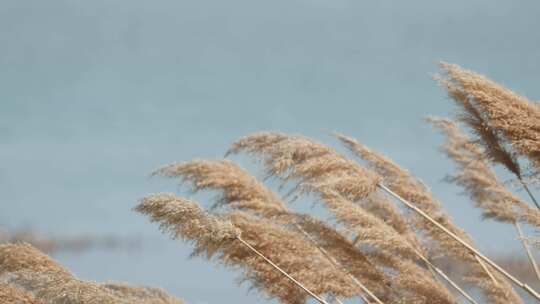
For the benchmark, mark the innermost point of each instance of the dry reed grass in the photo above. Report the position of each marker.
(339, 182)
(372, 249)
(493, 285)
(34, 277)
(479, 181)
(241, 191)
(288, 249)
(13, 295)
(499, 116)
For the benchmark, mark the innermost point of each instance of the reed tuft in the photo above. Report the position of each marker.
(500, 117)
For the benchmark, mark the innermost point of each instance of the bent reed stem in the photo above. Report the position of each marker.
(527, 249)
(445, 277)
(316, 297)
(474, 251)
(337, 264)
(524, 185)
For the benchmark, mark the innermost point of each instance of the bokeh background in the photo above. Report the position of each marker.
(94, 95)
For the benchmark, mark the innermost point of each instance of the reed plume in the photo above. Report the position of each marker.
(494, 287)
(482, 185)
(238, 189)
(185, 219)
(309, 164)
(14, 295)
(315, 168)
(512, 119)
(25, 268)
(289, 250)
(22, 256)
(339, 181)
(241, 191)
(480, 182)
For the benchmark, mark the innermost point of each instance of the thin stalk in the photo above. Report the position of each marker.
(445, 277)
(338, 265)
(522, 236)
(527, 249)
(338, 300)
(522, 285)
(316, 297)
(529, 192)
(486, 270)
(366, 301)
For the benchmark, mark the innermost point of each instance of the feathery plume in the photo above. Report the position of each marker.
(288, 250)
(12, 294)
(241, 191)
(412, 190)
(480, 181)
(510, 117)
(27, 269)
(310, 164)
(20, 257)
(482, 184)
(185, 219)
(338, 181)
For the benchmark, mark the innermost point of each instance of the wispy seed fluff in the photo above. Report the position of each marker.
(185, 219)
(411, 189)
(35, 277)
(336, 179)
(309, 164)
(340, 182)
(241, 191)
(289, 250)
(238, 189)
(508, 115)
(480, 182)
(12, 294)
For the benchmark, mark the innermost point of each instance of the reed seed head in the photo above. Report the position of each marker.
(500, 117)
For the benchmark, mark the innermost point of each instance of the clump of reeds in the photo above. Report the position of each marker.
(33, 277)
(241, 191)
(308, 164)
(340, 182)
(494, 287)
(399, 248)
(238, 189)
(506, 128)
(230, 238)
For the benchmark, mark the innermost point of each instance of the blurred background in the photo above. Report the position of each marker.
(95, 95)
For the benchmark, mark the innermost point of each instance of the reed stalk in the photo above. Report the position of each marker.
(474, 251)
(338, 265)
(313, 295)
(241, 191)
(446, 278)
(527, 249)
(524, 185)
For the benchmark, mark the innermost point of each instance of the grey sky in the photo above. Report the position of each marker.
(96, 94)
